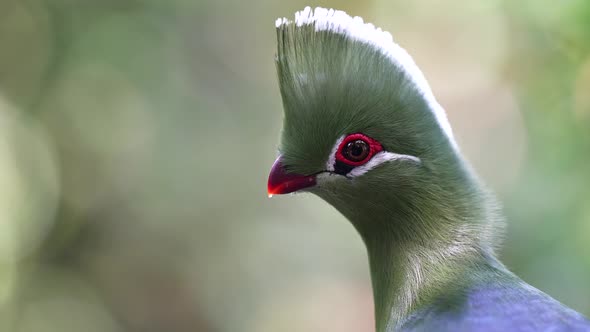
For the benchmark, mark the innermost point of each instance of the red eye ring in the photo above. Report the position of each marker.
(373, 148)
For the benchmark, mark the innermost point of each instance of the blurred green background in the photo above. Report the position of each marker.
(136, 137)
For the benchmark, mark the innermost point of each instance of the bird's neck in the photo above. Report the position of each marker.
(417, 253)
(407, 277)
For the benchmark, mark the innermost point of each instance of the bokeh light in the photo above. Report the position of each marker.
(29, 184)
(136, 137)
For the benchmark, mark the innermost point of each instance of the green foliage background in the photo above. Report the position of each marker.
(136, 137)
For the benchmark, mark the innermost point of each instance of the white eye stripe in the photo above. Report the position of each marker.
(378, 159)
(330, 164)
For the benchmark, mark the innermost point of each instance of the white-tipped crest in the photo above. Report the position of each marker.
(339, 22)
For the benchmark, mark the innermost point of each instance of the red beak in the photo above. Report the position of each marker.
(280, 182)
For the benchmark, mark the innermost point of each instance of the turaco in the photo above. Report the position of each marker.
(363, 131)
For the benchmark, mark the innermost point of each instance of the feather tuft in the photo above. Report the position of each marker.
(354, 28)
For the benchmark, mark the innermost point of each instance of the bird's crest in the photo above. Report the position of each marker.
(327, 40)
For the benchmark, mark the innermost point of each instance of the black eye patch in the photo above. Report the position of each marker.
(342, 168)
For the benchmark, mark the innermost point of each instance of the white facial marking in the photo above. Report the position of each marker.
(339, 22)
(332, 158)
(378, 159)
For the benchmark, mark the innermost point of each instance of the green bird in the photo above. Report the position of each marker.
(363, 131)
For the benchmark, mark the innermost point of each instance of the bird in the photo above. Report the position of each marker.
(363, 131)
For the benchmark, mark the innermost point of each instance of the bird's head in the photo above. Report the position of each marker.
(361, 127)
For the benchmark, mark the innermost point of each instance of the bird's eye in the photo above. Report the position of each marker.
(356, 151)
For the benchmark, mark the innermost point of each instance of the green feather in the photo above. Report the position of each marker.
(429, 225)
(424, 224)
